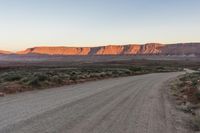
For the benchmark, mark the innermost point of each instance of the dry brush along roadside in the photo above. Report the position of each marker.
(25, 79)
(185, 91)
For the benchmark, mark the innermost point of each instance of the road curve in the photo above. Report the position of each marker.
(122, 105)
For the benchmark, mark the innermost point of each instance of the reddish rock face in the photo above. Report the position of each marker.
(151, 48)
(105, 50)
(132, 49)
(4, 52)
(56, 51)
(111, 50)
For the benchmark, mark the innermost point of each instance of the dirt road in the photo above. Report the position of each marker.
(123, 105)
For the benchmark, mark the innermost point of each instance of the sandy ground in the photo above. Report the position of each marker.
(137, 104)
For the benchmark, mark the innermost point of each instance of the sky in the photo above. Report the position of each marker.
(29, 23)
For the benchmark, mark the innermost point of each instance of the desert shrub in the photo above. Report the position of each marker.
(95, 75)
(160, 68)
(121, 72)
(72, 73)
(198, 94)
(127, 72)
(184, 78)
(115, 72)
(83, 75)
(181, 84)
(56, 79)
(37, 78)
(135, 69)
(25, 80)
(11, 77)
(108, 73)
(102, 74)
(73, 77)
(194, 83)
(195, 123)
(51, 73)
(41, 76)
(65, 76)
(34, 81)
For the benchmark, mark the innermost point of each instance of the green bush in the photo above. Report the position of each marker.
(41, 77)
(37, 78)
(34, 82)
(195, 123)
(73, 77)
(127, 72)
(11, 77)
(56, 79)
(25, 80)
(194, 83)
(198, 94)
(135, 69)
(160, 68)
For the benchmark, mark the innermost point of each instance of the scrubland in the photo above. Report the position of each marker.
(186, 94)
(21, 79)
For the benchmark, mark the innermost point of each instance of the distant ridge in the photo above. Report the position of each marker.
(5, 52)
(131, 49)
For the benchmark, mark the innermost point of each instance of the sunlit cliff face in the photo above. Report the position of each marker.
(111, 50)
(4, 52)
(132, 49)
(105, 50)
(57, 51)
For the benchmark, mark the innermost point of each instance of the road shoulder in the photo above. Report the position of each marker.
(178, 120)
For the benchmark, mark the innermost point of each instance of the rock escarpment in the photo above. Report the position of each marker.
(131, 49)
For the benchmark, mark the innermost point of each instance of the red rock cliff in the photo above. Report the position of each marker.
(131, 49)
(56, 51)
(5, 52)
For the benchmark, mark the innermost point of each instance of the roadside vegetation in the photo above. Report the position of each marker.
(13, 80)
(186, 93)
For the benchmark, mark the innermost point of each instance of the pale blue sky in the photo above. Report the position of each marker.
(28, 23)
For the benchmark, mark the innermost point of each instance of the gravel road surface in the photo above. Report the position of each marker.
(137, 104)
